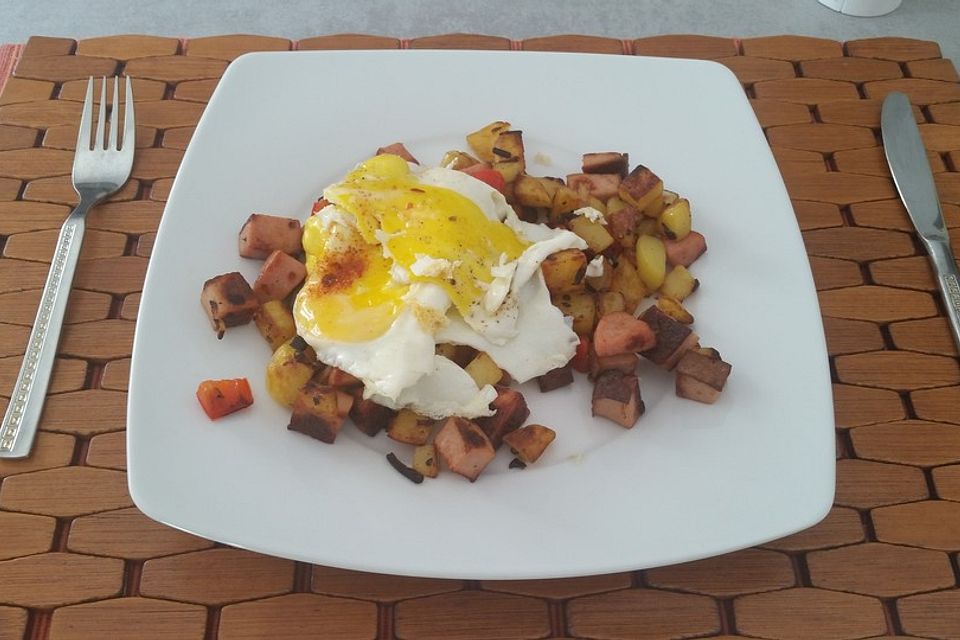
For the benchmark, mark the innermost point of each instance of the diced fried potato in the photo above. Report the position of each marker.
(482, 140)
(610, 301)
(641, 187)
(564, 270)
(484, 370)
(597, 203)
(628, 284)
(458, 160)
(594, 234)
(531, 192)
(604, 280)
(409, 427)
(674, 309)
(509, 169)
(551, 185)
(615, 204)
(529, 442)
(678, 284)
(275, 323)
(564, 201)
(669, 197)
(425, 460)
(675, 220)
(651, 261)
(580, 306)
(291, 366)
(508, 146)
(647, 227)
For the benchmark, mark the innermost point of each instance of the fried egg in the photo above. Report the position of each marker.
(404, 258)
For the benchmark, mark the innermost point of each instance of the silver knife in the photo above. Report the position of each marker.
(907, 158)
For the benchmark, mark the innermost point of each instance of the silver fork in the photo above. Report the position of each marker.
(98, 171)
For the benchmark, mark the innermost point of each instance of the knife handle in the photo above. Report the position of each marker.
(948, 277)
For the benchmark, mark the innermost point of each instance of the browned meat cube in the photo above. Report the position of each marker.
(641, 187)
(529, 442)
(701, 377)
(623, 362)
(340, 378)
(616, 396)
(623, 223)
(397, 149)
(673, 338)
(619, 332)
(279, 275)
(606, 162)
(556, 378)
(369, 416)
(600, 185)
(229, 301)
(684, 252)
(511, 412)
(263, 234)
(319, 411)
(464, 447)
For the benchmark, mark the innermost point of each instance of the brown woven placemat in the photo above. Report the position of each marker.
(77, 560)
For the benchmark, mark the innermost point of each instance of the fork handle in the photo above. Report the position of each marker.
(22, 418)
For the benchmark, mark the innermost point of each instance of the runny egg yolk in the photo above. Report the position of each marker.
(350, 294)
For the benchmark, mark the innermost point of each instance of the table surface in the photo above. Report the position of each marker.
(937, 20)
(79, 561)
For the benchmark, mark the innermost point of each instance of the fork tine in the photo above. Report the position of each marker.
(112, 141)
(101, 118)
(86, 118)
(129, 123)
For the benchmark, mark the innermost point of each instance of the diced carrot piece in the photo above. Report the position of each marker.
(222, 397)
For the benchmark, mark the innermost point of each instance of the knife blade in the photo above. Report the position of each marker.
(907, 158)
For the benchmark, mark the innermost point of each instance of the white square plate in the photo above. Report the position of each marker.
(688, 481)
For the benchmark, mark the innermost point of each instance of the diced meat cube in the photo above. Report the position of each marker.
(616, 396)
(556, 378)
(370, 417)
(529, 442)
(701, 377)
(619, 332)
(511, 412)
(606, 162)
(622, 223)
(623, 362)
(464, 447)
(280, 274)
(229, 301)
(319, 411)
(673, 338)
(397, 149)
(263, 234)
(684, 252)
(340, 378)
(600, 185)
